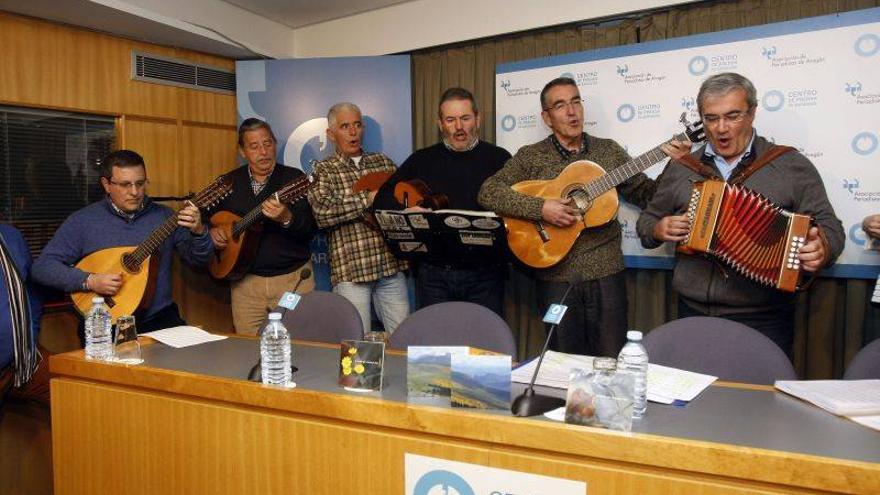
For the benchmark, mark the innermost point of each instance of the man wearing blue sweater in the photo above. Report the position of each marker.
(124, 218)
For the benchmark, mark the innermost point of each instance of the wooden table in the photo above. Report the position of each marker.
(187, 422)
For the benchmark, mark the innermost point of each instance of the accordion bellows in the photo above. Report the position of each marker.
(747, 232)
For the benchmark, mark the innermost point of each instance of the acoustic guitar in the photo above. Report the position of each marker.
(137, 264)
(593, 192)
(243, 233)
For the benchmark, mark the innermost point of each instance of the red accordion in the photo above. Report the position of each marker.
(746, 231)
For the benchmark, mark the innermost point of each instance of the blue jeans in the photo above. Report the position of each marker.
(389, 296)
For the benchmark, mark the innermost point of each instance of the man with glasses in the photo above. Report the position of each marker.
(124, 218)
(727, 104)
(596, 321)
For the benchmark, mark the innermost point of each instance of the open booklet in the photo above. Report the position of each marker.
(464, 236)
(858, 400)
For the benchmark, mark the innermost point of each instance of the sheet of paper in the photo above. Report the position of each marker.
(841, 397)
(869, 421)
(669, 384)
(183, 336)
(665, 384)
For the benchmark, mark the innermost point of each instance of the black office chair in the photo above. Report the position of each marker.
(324, 317)
(866, 364)
(723, 348)
(455, 323)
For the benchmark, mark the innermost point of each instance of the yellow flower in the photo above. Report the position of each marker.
(352, 350)
(346, 362)
(346, 371)
(359, 368)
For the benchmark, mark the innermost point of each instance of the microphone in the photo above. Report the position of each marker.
(304, 275)
(529, 403)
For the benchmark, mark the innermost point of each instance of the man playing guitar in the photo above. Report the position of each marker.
(124, 218)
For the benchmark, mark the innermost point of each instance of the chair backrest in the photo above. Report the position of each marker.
(866, 364)
(455, 323)
(719, 347)
(324, 317)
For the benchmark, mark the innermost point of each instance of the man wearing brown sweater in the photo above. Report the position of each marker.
(596, 321)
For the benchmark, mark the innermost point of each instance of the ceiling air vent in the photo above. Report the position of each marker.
(182, 73)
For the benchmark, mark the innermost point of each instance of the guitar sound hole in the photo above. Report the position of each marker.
(581, 199)
(129, 263)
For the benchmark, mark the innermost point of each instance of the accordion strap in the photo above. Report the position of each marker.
(773, 153)
(701, 168)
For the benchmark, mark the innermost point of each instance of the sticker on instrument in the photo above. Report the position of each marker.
(289, 300)
(413, 247)
(457, 222)
(397, 236)
(486, 223)
(419, 222)
(476, 238)
(391, 221)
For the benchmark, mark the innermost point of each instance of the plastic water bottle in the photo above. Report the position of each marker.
(99, 338)
(275, 352)
(634, 358)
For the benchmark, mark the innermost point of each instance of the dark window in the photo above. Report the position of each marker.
(48, 167)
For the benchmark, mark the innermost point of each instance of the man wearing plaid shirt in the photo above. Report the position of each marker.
(362, 268)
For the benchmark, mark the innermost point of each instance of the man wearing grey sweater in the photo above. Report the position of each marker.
(727, 104)
(596, 321)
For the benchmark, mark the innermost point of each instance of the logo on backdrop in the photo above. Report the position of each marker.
(851, 185)
(857, 235)
(306, 143)
(689, 104)
(779, 59)
(626, 112)
(865, 143)
(867, 45)
(855, 90)
(583, 78)
(512, 90)
(854, 187)
(720, 62)
(630, 77)
(508, 123)
(698, 65)
(773, 100)
(443, 480)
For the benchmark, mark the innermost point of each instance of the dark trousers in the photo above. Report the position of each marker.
(440, 283)
(777, 324)
(595, 323)
(169, 316)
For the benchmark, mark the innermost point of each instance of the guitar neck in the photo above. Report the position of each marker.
(151, 244)
(247, 220)
(287, 194)
(626, 171)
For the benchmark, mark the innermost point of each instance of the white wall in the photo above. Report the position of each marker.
(426, 23)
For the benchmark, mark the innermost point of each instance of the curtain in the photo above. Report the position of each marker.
(834, 318)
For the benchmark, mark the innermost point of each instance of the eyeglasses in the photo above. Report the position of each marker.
(734, 117)
(128, 185)
(560, 106)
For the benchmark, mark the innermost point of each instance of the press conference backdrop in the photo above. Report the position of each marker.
(294, 96)
(818, 83)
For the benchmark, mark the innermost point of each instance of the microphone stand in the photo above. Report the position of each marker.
(529, 403)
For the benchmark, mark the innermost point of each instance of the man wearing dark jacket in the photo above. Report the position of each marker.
(456, 167)
(727, 104)
(283, 253)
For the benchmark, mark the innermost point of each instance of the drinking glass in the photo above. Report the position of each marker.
(128, 349)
